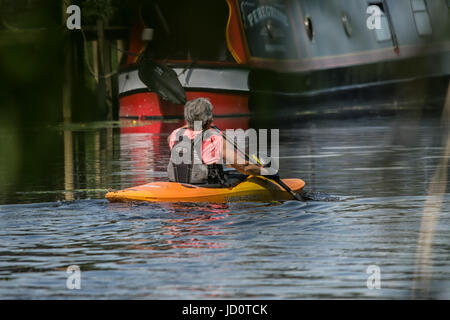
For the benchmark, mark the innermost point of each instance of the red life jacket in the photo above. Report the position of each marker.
(186, 163)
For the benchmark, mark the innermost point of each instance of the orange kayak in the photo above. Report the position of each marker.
(252, 189)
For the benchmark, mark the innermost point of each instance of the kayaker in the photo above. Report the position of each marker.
(185, 165)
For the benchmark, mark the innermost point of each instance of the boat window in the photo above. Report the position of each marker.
(418, 5)
(421, 17)
(309, 28)
(346, 22)
(384, 32)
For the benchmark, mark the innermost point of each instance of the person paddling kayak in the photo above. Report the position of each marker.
(198, 152)
(196, 169)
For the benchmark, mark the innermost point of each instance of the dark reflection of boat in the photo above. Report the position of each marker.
(293, 53)
(167, 126)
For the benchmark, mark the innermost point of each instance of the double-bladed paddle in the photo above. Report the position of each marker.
(276, 178)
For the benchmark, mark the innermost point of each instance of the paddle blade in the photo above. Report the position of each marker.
(278, 180)
(161, 79)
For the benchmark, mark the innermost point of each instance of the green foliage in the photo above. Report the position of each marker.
(115, 12)
(93, 10)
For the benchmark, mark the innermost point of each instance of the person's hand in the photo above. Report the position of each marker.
(269, 171)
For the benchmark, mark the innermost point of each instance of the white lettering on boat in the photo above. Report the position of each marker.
(265, 12)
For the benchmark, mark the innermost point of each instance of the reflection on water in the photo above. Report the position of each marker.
(379, 168)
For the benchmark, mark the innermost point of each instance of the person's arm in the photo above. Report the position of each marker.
(248, 169)
(231, 156)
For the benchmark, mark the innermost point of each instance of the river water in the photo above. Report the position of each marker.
(368, 179)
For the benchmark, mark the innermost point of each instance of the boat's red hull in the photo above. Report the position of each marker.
(147, 105)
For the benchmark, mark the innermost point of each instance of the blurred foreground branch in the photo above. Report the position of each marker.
(430, 218)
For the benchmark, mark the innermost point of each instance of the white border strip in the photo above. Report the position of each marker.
(219, 79)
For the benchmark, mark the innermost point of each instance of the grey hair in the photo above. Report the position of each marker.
(199, 109)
